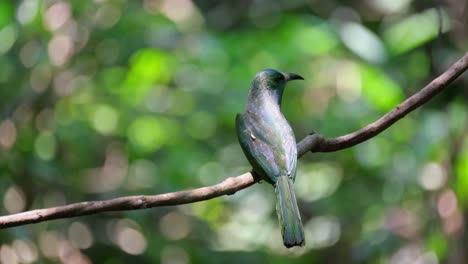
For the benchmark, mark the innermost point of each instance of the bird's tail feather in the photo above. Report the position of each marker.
(288, 213)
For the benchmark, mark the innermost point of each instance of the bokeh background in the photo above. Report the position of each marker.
(101, 99)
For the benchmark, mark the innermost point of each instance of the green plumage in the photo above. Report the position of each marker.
(288, 213)
(270, 146)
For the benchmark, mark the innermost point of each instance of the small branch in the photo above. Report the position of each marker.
(432, 89)
(313, 143)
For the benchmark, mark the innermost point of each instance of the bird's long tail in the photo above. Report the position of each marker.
(288, 213)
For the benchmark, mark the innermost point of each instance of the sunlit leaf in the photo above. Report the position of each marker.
(147, 68)
(438, 243)
(314, 37)
(415, 30)
(461, 170)
(45, 146)
(363, 42)
(147, 134)
(6, 12)
(105, 119)
(379, 90)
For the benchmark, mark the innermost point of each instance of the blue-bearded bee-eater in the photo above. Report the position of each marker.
(270, 146)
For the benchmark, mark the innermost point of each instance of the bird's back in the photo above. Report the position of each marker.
(268, 142)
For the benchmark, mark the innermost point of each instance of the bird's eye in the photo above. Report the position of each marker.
(279, 77)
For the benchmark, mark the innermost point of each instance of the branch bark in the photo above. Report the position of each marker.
(313, 142)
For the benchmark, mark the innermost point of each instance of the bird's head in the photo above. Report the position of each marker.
(274, 79)
(271, 82)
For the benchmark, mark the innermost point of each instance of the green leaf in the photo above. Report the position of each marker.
(414, 31)
(6, 12)
(461, 170)
(378, 89)
(147, 68)
(146, 134)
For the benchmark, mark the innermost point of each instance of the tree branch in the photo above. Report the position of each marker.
(317, 143)
(313, 143)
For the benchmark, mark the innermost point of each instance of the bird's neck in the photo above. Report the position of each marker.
(264, 98)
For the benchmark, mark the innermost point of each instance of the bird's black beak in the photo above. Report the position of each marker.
(292, 76)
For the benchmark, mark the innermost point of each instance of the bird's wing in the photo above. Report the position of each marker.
(289, 145)
(257, 141)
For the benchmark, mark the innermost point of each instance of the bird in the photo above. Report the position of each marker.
(269, 145)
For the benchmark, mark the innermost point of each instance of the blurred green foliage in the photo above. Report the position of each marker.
(101, 99)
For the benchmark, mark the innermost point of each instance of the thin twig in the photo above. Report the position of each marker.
(313, 143)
